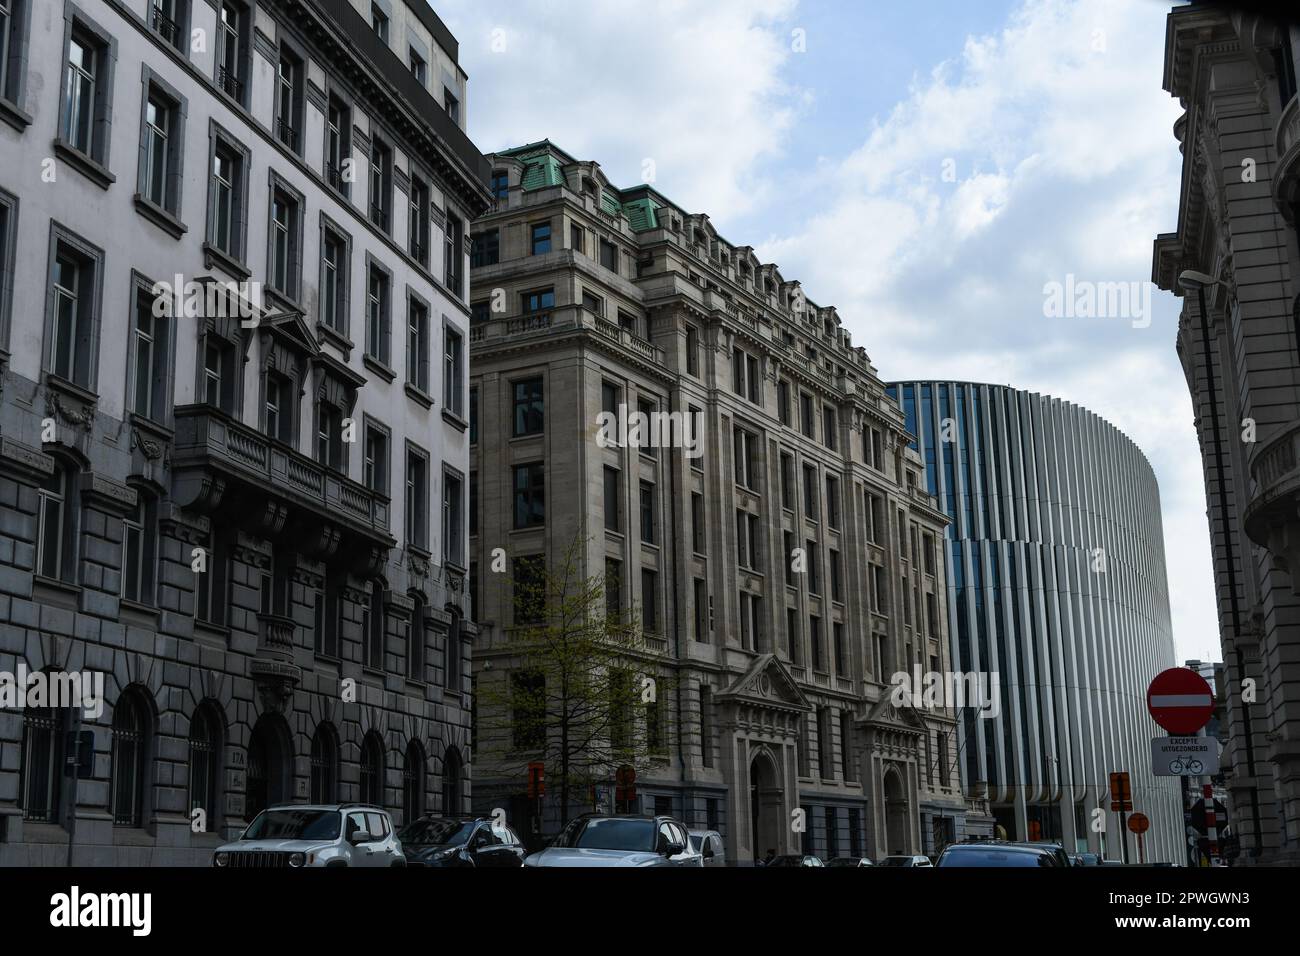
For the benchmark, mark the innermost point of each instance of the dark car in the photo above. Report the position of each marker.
(849, 861)
(1003, 853)
(1087, 859)
(460, 841)
(795, 859)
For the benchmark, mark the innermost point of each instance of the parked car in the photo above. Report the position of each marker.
(1087, 859)
(708, 844)
(796, 859)
(297, 835)
(911, 860)
(1003, 853)
(849, 861)
(625, 840)
(460, 841)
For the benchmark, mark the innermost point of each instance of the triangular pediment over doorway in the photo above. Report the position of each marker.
(767, 683)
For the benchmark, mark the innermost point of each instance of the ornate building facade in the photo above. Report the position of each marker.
(234, 345)
(592, 298)
(1233, 259)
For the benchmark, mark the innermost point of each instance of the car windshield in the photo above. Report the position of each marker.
(437, 832)
(596, 833)
(294, 825)
(896, 861)
(998, 858)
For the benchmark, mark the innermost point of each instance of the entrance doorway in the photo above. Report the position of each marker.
(267, 781)
(764, 807)
(898, 832)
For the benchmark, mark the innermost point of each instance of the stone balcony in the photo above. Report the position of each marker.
(558, 321)
(225, 468)
(1286, 177)
(1272, 518)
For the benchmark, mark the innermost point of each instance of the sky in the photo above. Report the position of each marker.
(929, 168)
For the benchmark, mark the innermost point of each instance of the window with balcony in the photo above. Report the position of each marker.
(289, 100)
(454, 244)
(381, 183)
(417, 220)
(233, 50)
(338, 146)
(530, 495)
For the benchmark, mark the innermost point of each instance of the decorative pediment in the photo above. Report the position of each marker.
(290, 326)
(885, 713)
(767, 683)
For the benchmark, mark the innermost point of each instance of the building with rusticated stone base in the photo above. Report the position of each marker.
(220, 494)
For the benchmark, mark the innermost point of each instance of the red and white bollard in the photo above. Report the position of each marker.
(1211, 825)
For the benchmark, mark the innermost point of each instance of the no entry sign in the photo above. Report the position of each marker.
(1180, 701)
(1138, 823)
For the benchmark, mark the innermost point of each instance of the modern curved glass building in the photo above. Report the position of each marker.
(1056, 584)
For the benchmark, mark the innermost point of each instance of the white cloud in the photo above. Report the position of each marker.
(694, 87)
(1065, 163)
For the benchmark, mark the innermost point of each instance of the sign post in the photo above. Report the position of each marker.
(1139, 824)
(1121, 801)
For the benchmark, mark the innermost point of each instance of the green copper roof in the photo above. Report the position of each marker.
(540, 171)
(609, 203)
(641, 214)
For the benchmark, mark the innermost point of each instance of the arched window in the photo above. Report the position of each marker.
(372, 769)
(451, 771)
(56, 539)
(130, 763)
(207, 734)
(324, 765)
(415, 642)
(413, 772)
(42, 763)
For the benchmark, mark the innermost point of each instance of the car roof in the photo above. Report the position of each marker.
(1003, 845)
(327, 807)
(704, 833)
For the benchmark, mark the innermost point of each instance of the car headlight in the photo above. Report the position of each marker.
(220, 859)
(297, 859)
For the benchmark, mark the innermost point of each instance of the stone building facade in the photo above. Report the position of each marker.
(587, 298)
(220, 494)
(1239, 341)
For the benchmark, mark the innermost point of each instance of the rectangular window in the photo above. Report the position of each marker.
(484, 248)
(787, 481)
(288, 101)
(613, 513)
(334, 280)
(815, 639)
(649, 601)
(139, 553)
(419, 68)
(813, 558)
(227, 196)
(374, 471)
(706, 725)
(87, 92)
(453, 271)
(783, 401)
(453, 520)
(789, 559)
(748, 541)
(286, 243)
(811, 511)
(836, 576)
(613, 589)
(473, 416)
(72, 323)
(529, 407)
(281, 405)
(611, 397)
(210, 587)
(647, 513)
(473, 503)
(162, 137)
(829, 430)
(530, 495)
(701, 591)
(338, 146)
(417, 344)
(541, 237)
(500, 184)
(167, 18)
(746, 449)
(149, 387)
(379, 22)
(453, 371)
(692, 351)
(330, 447)
(806, 422)
(832, 502)
(221, 378)
(841, 666)
(417, 499)
(698, 530)
(417, 220)
(381, 183)
(529, 583)
(609, 255)
(377, 314)
(792, 636)
(451, 104)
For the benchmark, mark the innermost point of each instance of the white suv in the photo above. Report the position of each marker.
(296, 835)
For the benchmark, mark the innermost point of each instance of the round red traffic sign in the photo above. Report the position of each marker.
(1180, 701)
(1139, 823)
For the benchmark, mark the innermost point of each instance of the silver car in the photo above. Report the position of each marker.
(595, 840)
(708, 844)
(298, 835)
